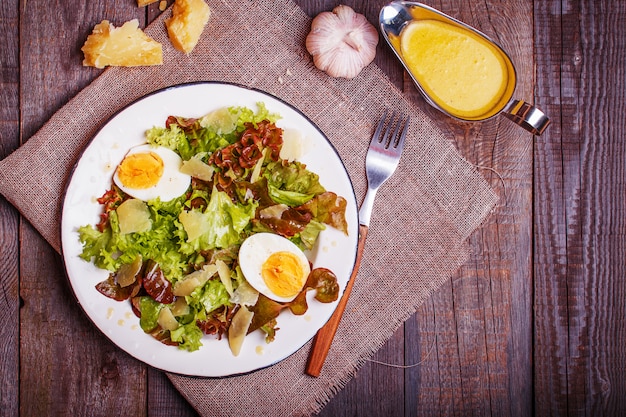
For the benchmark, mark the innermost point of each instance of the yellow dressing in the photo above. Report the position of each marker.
(463, 73)
(283, 274)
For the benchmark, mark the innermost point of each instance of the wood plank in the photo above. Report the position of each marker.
(9, 223)
(164, 399)
(67, 366)
(550, 376)
(377, 388)
(472, 340)
(579, 230)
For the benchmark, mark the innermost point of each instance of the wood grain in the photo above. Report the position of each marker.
(9, 220)
(579, 194)
(533, 324)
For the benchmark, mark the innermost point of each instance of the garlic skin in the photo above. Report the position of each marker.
(342, 42)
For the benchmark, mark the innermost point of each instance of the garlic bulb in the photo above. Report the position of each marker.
(342, 43)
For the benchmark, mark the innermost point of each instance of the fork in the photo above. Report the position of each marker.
(381, 162)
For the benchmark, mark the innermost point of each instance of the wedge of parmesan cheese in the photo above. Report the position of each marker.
(238, 329)
(189, 17)
(125, 46)
(293, 145)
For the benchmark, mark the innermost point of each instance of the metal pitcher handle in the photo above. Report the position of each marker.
(527, 116)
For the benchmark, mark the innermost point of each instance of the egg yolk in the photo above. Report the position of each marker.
(283, 274)
(140, 170)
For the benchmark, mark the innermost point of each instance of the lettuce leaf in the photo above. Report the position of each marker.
(219, 226)
(290, 198)
(292, 184)
(209, 297)
(309, 235)
(188, 336)
(110, 249)
(149, 313)
(187, 137)
(173, 138)
(247, 115)
(97, 247)
(328, 208)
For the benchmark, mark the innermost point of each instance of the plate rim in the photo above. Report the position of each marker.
(98, 131)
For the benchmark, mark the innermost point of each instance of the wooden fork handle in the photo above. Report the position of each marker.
(324, 337)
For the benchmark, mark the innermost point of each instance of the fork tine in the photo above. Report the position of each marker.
(394, 137)
(400, 141)
(388, 136)
(390, 132)
(379, 128)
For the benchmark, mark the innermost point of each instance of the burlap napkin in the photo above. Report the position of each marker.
(422, 217)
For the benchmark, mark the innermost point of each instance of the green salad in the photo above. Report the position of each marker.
(177, 260)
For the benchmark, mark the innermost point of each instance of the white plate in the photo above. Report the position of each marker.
(92, 177)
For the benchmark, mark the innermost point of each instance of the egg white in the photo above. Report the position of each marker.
(172, 183)
(255, 250)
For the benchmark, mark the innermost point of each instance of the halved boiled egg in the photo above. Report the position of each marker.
(274, 266)
(148, 172)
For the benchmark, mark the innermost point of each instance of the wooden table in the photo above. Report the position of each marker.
(533, 323)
